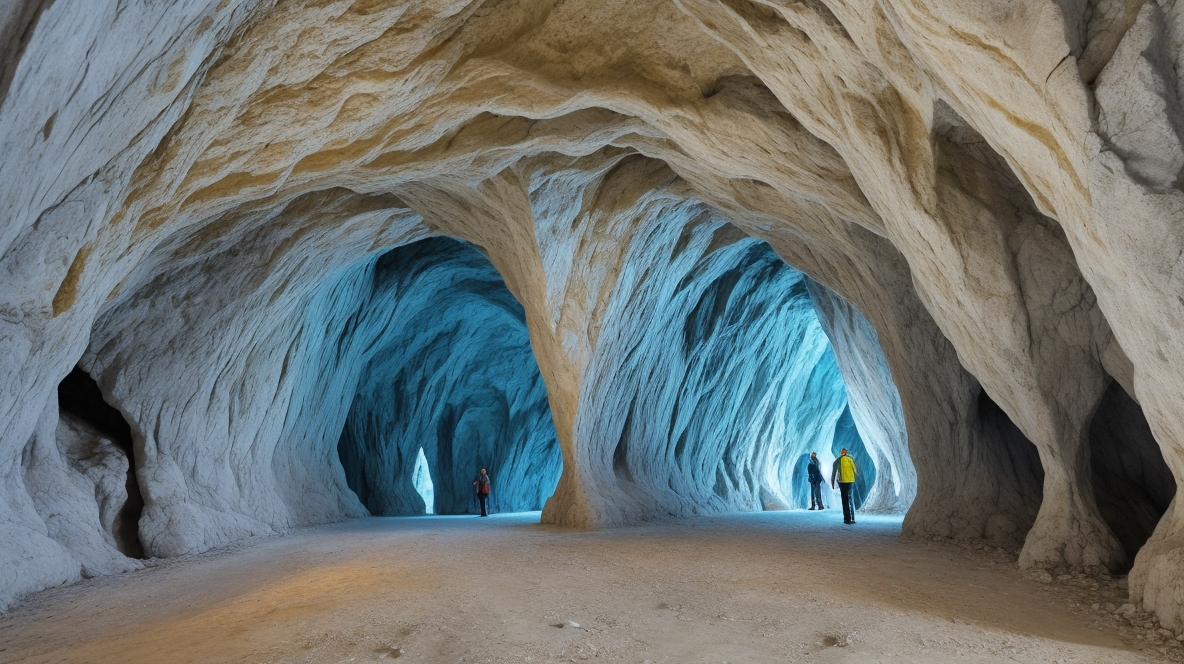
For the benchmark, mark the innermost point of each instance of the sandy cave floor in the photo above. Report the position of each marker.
(769, 587)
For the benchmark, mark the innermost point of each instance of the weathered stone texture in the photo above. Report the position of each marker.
(984, 194)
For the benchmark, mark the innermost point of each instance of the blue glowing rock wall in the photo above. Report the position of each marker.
(452, 373)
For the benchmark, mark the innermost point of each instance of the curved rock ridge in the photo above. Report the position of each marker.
(992, 186)
(452, 376)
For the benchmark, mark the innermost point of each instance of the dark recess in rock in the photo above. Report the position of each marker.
(79, 395)
(1132, 484)
(1018, 453)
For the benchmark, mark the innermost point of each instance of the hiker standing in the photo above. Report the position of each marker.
(814, 471)
(846, 471)
(482, 485)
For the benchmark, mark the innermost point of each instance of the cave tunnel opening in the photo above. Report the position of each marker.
(451, 387)
(93, 431)
(728, 381)
(846, 437)
(1132, 484)
(422, 479)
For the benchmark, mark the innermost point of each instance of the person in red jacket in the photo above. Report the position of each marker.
(482, 484)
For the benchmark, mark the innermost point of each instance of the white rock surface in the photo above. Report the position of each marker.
(193, 192)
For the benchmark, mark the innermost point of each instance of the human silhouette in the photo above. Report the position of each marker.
(482, 485)
(814, 473)
(846, 472)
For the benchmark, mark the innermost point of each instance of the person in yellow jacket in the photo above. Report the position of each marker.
(845, 470)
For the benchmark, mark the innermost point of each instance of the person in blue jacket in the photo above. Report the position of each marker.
(814, 471)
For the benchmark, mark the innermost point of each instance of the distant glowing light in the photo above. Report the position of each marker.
(422, 480)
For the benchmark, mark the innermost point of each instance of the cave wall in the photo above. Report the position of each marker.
(259, 355)
(992, 185)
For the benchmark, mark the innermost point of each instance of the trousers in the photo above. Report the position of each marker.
(816, 495)
(483, 498)
(848, 508)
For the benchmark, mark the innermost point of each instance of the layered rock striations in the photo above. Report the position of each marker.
(983, 195)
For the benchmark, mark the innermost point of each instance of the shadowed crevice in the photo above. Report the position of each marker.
(80, 396)
(1132, 485)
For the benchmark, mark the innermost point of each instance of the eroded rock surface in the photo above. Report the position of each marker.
(983, 194)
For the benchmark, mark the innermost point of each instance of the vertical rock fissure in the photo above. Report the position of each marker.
(621, 451)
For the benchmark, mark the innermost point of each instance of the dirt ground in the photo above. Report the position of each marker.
(770, 587)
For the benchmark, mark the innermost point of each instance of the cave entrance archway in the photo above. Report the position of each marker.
(715, 379)
(449, 386)
(421, 477)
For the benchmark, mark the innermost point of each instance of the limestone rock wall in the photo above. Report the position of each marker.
(992, 185)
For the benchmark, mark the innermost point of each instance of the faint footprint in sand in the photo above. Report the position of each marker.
(839, 640)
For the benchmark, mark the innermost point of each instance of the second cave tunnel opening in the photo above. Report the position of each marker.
(714, 379)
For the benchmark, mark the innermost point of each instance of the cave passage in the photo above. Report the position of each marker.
(729, 383)
(451, 388)
(723, 381)
(269, 265)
